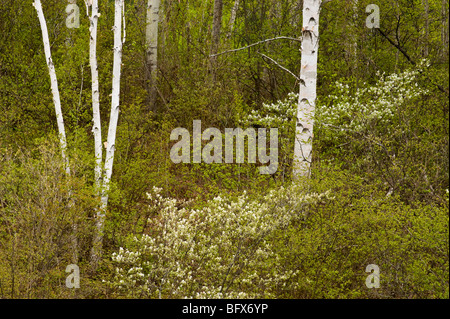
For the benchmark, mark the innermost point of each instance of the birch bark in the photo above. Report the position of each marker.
(54, 83)
(151, 39)
(233, 18)
(114, 117)
(308, 83)
(355, 38)
(96, 129)
(59, 117)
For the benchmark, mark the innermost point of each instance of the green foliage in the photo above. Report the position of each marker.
(361, 226)
(42, 212)
(380, 149)
(285, 245)
(379, 133)
(222, 250)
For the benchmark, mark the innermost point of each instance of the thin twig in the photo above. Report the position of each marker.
(397, 45)
(257, 43)
(405, 54)
(279, 65)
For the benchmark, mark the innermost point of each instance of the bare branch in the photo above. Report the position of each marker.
(257, 43)
(405, 54)
(279, 65)
(325, 1)
(398, 46)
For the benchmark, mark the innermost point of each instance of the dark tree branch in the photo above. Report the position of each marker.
(405, 54)
(397, 45)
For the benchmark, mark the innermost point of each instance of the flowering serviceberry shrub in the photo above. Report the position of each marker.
(371, 105)
(222, 250)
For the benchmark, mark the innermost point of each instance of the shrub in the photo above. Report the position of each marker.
(44, 223)
(332, 247)
(222, 250)
(288, 244)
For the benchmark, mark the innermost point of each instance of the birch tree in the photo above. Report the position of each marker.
(59, 116)
(233, 18)
(308, 84)
(151, 40)
(355, 38)
(119, 14)
(54, 83)
(96, 129)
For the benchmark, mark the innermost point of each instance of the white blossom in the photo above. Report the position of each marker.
(194, 253)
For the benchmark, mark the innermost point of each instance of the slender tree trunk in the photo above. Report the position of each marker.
(59, 116)
(151, 39)
(233, 18)
(114, 117)
(96, 129)
(308, 83)
(355, 39)
(444, 32)
(217, 25)
(427, 28)
(53, 83)
(187, 32)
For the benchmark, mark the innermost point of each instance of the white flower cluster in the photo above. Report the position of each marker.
(274, 114)
(222, 250)
(370, 105)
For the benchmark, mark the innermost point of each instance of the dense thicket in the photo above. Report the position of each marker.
(380, 153)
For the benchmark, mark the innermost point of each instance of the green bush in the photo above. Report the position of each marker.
(222, 250)
(288, 245)
(45, 223)
(333, 246)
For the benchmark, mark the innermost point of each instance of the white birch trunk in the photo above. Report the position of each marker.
(233, 18)
(115, 100)
(151, 39)
(355, 38)
(59, 116)
(308, 83)
(53, 83)
(151, 34)
(114, 117)
(96, 129)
